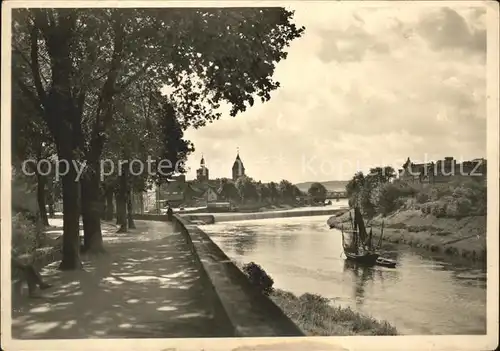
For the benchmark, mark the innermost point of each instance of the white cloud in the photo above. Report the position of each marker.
(368, 85)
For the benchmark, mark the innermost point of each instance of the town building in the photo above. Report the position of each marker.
(442, 171)
(200, 191)
(238, 169)
(202, 173)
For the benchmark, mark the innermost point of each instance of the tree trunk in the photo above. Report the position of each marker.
(91, 211)
(108, 194)
(102, 204)
(141, 203)
(52, 212)
(121, 203)
(119, 210)
(130, 212)
(71, 216)
(62, 115)
(50, 197)
(41, 181)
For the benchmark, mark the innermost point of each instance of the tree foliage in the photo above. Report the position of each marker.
(78, 66)
(317, 191)
(228, 190)
(247, 188)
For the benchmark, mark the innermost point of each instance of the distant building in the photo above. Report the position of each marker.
(442, 171)
(211, 194)
(201, 190)
(238, 169)
(202, 174)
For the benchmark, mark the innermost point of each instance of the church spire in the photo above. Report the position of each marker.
(202, 162)
(238, 169)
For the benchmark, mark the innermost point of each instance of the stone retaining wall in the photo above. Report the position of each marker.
(250, 312)
(266, 215)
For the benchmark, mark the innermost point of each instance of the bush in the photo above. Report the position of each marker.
(422, 197)
(259, 278)
(26, 234)
(438, 209)
(388, 199)
(459, 207)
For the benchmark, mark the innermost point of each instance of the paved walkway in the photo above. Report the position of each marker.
(147, 287)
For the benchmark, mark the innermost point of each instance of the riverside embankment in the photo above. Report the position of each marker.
(419, 297)
(250, 313)
(229, 217)
(253, 314)
(464, 237)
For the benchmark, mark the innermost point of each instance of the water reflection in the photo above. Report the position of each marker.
(361, 276)
(244, 242)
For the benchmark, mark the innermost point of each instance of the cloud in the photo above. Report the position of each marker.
(446, 29)
(362, 87)
(350, 44)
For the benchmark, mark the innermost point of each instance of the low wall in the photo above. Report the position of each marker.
(250, 312)
(150, 217)
(276, 214)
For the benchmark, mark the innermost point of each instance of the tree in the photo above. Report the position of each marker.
(273, 191)
(264, 192)
(383, 174)
(228, 190)
(317, 191)
(247, 188)
(355, 185)
(288, 191)
(76, 62)
(30, 141)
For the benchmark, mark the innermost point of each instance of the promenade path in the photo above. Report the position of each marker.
(148, 286)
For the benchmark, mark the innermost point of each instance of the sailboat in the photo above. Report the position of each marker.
(360, 246)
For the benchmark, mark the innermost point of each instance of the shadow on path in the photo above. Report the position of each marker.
(148, 286)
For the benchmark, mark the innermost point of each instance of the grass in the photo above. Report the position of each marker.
(315, 316)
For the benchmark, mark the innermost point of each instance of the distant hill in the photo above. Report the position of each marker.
(330, 185)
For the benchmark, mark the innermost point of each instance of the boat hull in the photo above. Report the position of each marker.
(384, 262)
(366, 258)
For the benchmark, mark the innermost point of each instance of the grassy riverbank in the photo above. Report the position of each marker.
(315, 316)
(447, 217)
(464, 237)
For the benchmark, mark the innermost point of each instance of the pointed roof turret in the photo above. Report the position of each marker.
(407, 163)
(202, 162)
(237, 162)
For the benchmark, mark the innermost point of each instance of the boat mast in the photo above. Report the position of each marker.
(370, 236)
(381, 234)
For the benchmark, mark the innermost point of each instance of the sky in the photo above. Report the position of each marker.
(363, 87)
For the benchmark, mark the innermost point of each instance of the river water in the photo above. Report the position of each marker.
(423, 295)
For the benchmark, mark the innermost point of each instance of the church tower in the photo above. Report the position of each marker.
(202, 172)
(238, 167)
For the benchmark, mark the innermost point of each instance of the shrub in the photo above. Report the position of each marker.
(459, 207)
(422, 197)
(259, 278)
(388, 199)
(406, 190)
(26, 234)
(436, 208)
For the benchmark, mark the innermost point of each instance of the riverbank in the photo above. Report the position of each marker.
(464, 237)
(254, 208)
(315, 316)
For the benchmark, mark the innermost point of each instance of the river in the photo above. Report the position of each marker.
(424, 295)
